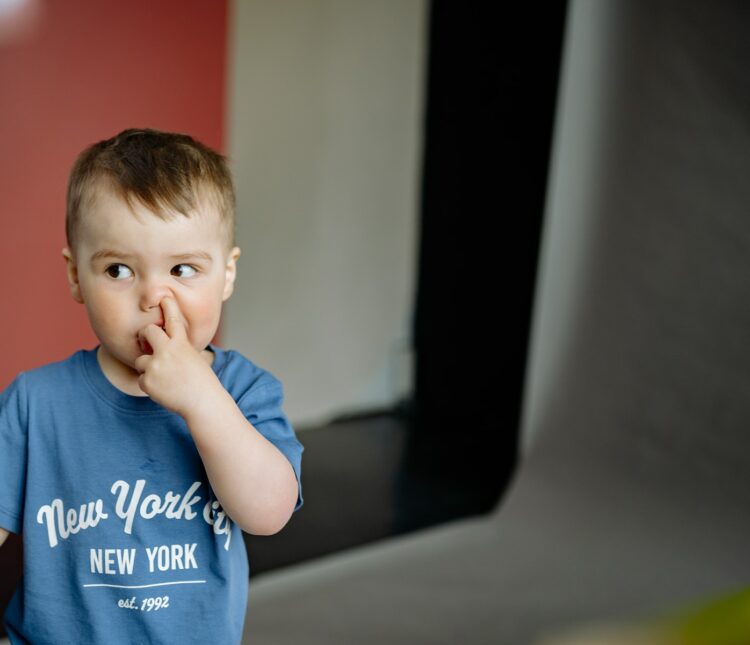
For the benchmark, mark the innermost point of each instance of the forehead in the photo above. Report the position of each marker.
(108, 221)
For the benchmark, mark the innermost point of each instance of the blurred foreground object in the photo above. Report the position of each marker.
(18, 19)
(721, 621)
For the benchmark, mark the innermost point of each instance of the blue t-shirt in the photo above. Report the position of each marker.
(124, 540)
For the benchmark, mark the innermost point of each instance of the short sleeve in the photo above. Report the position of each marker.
(262, 406)
(13, 433)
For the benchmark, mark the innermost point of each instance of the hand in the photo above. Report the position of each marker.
(175, 375)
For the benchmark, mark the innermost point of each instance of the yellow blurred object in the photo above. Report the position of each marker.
(722, 620)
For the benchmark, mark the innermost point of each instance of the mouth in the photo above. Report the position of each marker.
(143, 345)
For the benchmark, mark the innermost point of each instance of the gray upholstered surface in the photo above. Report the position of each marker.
(633, 495)
(562, 548)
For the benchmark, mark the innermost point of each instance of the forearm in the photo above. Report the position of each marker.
(252, 479)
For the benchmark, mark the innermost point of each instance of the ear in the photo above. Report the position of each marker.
(231, 272)
(72, 269)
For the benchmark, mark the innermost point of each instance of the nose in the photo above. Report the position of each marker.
(152, 291)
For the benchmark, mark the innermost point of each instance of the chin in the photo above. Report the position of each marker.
(116, 354)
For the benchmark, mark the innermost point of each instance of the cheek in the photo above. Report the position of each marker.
(202, 311)
(105, 309)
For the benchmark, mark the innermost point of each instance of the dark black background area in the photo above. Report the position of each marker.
(492, 88)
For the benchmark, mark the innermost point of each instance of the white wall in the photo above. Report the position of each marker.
(325, 127)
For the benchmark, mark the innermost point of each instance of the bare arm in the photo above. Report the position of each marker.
(252, 479)
(3, 536)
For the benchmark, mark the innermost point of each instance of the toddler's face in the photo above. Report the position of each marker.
(125, 265)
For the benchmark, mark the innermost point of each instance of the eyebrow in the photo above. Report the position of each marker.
(109, 253)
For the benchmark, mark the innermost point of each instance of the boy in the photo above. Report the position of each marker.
(131, 469)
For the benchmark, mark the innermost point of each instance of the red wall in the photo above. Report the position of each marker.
(83, 71)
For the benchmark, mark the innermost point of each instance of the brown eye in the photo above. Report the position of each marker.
(116, 271)
(191, 271)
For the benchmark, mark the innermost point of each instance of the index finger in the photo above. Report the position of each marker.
(172, 319)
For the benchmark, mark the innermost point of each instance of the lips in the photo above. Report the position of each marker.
(144, 345)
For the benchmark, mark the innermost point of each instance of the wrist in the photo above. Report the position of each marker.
(203, 408)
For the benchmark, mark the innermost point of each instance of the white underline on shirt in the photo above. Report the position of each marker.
(158, 584)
